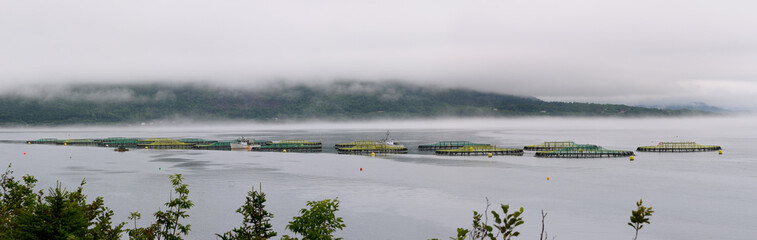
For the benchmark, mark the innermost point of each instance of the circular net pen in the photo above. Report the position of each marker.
(584, 151)
(165, 143)
(375, 148)
(480, 150)
(678, 147)
(45, 141)
(152, 140)
(448, 145)
(354, 143)
(290, 147)
(119, 142)
(80, 142)
(196, 141)
(550, 146)
(111, 139)
(299, 141)
(214, 146)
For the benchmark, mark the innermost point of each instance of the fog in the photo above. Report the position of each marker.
(624, 51)
(730, 122)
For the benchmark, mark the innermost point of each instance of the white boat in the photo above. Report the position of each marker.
(241, 143)
(388, 141)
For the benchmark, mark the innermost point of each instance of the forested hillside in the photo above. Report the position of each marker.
(87, 104)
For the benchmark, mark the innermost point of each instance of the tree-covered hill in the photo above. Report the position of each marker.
(102, 104)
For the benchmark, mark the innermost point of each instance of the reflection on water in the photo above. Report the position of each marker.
(420, 195)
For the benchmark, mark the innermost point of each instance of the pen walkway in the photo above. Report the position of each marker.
(678, 147)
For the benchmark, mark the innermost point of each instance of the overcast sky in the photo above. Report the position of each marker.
(620, 51)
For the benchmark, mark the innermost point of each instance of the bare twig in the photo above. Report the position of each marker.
(543, 216)
(486, 216)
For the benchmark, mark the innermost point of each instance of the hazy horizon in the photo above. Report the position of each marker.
(626, 52)
(122, 92)
(493, 123)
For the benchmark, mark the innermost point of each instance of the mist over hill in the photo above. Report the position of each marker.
(346, 100)
(698, 106)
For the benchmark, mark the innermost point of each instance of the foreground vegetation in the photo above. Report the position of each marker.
(62, 214)
(339, 101)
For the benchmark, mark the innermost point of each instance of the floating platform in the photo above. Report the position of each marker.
(375, 148)
(111, 139)
(164, 143)
(448, 145)
(480, 150)
(157, 143)
(45, 141)
(214, 146)
(584, 151)
(118, 142)
(288, 146)
(196, 141)
(355, 143)
(79, 142)
(151, 140)
(678, 147)
(298, 141)
(550, 146)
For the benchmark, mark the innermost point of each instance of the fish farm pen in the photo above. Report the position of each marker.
(164, 143)
(155, 143)
(289, 145)
(448, 145)
(298, 141)
(354, 143)
(564, 149)
(79, 142)
(550, 146)
(113, 139)
(678, 147)
(375, 148)
(292, 147)
(214, 146)
(196, 141)
(117, 142)
(584, 151)
(46, 141)
(480, 150)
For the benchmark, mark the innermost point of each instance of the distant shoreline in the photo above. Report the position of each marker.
(150, 103)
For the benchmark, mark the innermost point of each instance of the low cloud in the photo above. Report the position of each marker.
(599, 51)
(98, 93)
(61, 92)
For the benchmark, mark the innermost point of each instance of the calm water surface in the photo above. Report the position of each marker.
(419, 195)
